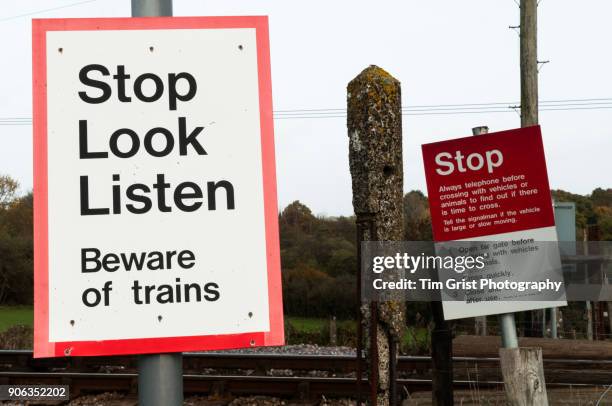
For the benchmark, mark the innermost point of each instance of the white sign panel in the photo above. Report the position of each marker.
(155, 186)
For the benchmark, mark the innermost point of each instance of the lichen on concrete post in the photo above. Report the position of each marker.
(374, 121)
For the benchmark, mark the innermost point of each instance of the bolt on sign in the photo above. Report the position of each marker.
(493, 189)
(155, 188)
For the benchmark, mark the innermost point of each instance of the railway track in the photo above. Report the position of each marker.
(286, 375)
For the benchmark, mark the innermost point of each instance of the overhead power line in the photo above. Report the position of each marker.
(435, 106)
(14, 17)
(457, 109)
(416, 110)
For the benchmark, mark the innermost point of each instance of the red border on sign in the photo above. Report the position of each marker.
(42, 346)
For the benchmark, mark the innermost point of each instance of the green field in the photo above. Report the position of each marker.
(15, 315)
(414, 340)
(306, 324)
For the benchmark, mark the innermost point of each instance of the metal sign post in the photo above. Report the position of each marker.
(160, 376)
(508, 330)
(507, 322)
(151, 8)
(160, 379)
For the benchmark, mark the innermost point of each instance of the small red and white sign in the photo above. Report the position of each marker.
(489, 184)
(154, 184)
(491, 187)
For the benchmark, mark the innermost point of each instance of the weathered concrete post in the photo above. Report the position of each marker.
(375, 154)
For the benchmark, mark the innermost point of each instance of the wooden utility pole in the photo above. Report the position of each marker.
(529, 84)
(522, 368)
(529, 63)
(374, 121)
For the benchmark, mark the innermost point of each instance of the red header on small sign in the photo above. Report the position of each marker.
(488, 184)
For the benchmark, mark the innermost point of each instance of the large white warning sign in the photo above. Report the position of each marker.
(155, 192)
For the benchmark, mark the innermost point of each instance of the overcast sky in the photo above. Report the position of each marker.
(443, 52)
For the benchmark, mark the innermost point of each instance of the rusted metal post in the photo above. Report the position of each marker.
(375, 155)
(359, 372)
(441, 358)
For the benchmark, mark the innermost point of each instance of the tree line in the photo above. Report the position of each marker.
(16, 245)
(318, 253)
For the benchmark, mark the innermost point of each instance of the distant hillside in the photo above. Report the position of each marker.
(318, 253)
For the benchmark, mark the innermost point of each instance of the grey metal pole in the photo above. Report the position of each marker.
(160, 376)
(151, 8)
(506, 321)
(160, 380)
(508, 330)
